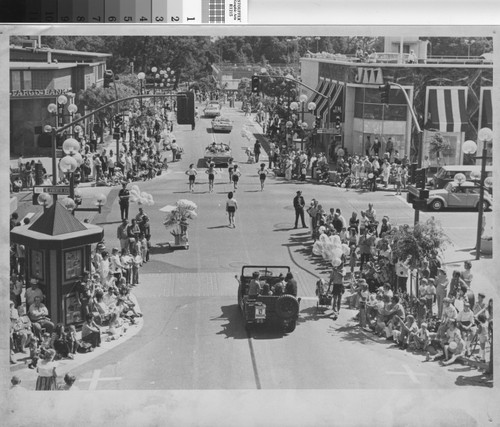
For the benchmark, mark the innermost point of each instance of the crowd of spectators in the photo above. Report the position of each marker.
(419, 307)
(104, 296)
(142, 156)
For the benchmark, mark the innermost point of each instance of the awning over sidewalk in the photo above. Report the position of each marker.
(323, 103)
(486, 109)
(446, 108)
(337, 101)
(320, 87)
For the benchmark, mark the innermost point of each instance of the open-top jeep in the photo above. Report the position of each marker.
(282, 309)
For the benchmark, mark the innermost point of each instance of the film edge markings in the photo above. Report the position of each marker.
(159, 11)
(80, 10)
(111, 11)
(96, 11)
(143, 11)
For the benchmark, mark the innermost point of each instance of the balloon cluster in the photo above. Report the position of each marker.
(179, 214)
(330, 248)
(141, 198)
(246, 133)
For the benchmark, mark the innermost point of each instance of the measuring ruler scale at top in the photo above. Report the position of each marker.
(133, 11)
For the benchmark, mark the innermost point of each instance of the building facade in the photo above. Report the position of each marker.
(450, 96)
(38, 77)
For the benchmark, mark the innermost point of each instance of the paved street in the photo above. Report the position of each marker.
(193, 336)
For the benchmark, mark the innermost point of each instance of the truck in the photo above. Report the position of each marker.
(279, 309)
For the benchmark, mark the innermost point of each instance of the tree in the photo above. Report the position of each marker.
(420, 241)
(438, 146)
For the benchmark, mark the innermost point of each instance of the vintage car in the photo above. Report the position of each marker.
(458, 195)
(282, 309)
(222, 124)
(218, 153)
(212, 109)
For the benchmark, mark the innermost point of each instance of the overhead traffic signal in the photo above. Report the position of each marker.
(185, 108)
(384, 93)
(255, 84)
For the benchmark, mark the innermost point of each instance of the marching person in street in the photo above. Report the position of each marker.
(230, 169)
(191, 173)
(263, 171)
(236, 176)
(211, 172)
(124, 196)
(298, 204)
(231, 207)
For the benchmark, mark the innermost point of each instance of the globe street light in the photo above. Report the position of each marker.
(469, 43)
(485, 135)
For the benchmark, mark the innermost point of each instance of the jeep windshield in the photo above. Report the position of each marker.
(265, 271)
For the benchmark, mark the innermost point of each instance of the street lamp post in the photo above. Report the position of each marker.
(317, 43)
(470, 147)
(469, 43)
(141, 76)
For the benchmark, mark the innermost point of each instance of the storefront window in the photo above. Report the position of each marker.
(15, 80)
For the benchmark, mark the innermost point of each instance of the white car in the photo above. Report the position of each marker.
(458, 195)
(212, 110)
(222, 124)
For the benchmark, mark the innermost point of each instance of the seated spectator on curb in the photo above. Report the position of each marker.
(91, 333)
(100, 307)
(482, 332)
(407, 328)
(465, 323)
(69, 381)
(454, 346)
(449, 314)
(21, 327)
(421, 339)
(395, 312)
(60, 342)
(110, 297)
(39, 316)
(32, 292)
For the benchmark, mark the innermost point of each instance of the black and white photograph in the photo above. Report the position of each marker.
(297, 222)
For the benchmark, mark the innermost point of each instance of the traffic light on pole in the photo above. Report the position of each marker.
(255, 84)
(317, 122)
(337, 122)
(384, 93)
(420, 178)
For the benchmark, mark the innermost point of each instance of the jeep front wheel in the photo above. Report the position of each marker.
(287, 307)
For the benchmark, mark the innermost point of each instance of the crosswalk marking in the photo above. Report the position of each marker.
(96, 377)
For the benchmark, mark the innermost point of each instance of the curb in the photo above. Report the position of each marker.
(66, 365)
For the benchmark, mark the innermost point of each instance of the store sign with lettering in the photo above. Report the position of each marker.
(37, 92)
(369, 76)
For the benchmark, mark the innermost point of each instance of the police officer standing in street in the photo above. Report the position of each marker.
(298, 204)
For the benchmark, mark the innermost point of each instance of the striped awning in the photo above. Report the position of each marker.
(323, 103)
(320, 87)
(486, 109)
(337, 101)
(446, 108)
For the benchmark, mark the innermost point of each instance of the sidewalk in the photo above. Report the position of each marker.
(26, 374)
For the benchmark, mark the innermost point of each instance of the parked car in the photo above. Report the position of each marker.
(222, 124)
(212, 109)
(446, 174)
(458, 195)
(282, 309)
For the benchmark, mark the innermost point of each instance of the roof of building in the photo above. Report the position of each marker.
(57, 220)
(43, 65)
(64, 52)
